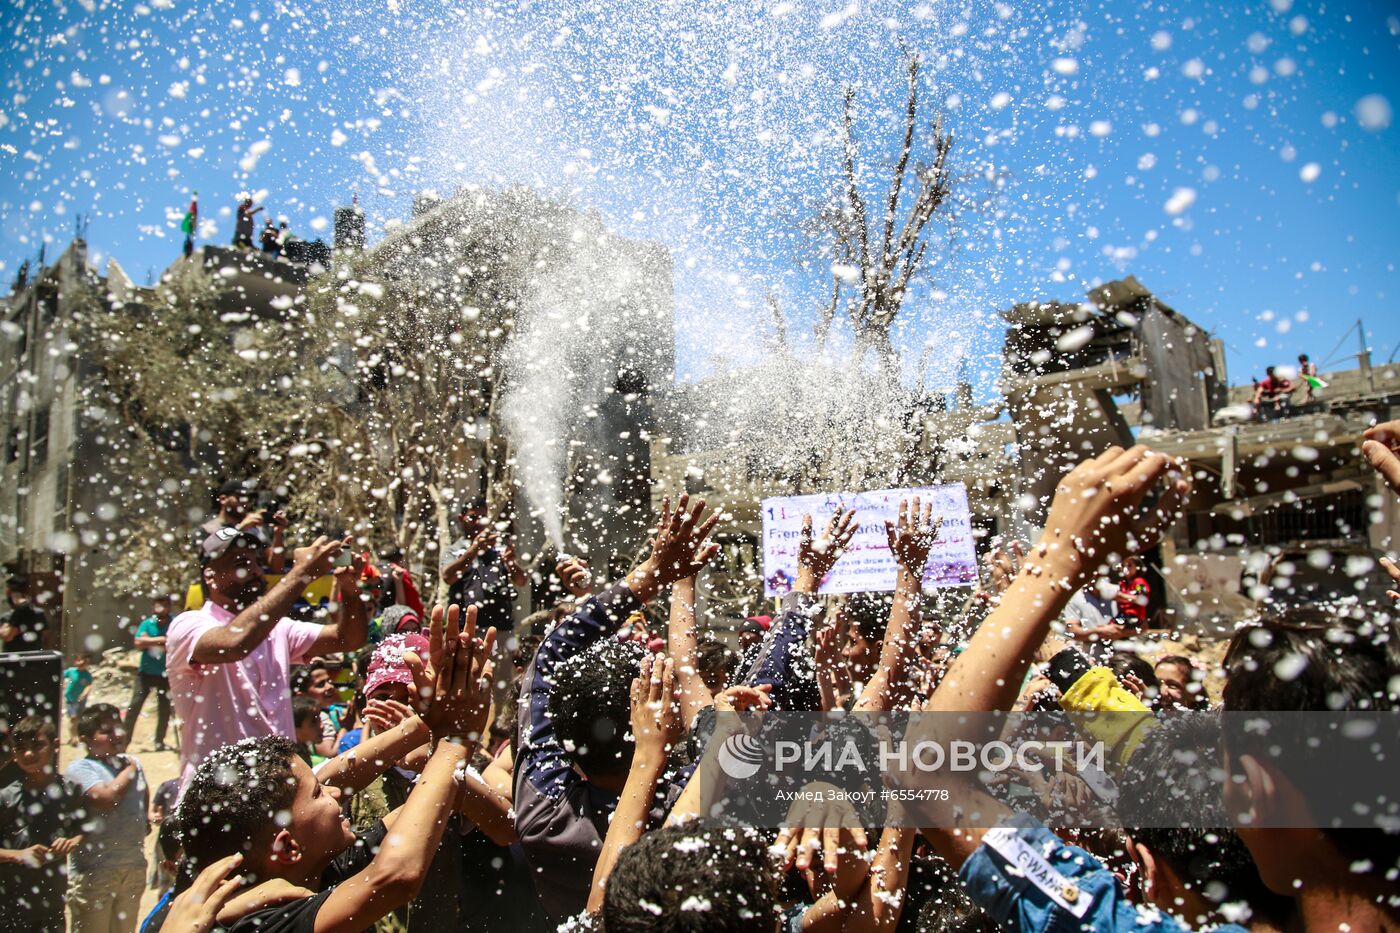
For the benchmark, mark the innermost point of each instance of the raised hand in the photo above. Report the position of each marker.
(1390, 568)
(816, 557)
(912, 534)
(1003, 564)
(742, 698)
(1096, 518)
(457, 679)
(679, 549)
(573, 573)
(384, 715)
(484, 541)
(820, 825)
(826, 651)
(1381, 448)
(196, 909)
(317, 560)
(347, 579)
(656, 714)
(424, 670)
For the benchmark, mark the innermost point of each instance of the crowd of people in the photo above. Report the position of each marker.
(376, 764)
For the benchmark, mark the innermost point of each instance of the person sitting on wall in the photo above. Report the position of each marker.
(1271, 396)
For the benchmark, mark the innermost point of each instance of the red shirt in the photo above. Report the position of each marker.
(1132, 597)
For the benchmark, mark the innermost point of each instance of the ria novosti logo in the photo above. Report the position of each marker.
(740, 756)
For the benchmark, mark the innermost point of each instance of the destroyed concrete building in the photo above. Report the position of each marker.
(56, 529)
(52, 519)
(1284, 497)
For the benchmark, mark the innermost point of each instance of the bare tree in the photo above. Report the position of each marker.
(876, 251)
(180, 398)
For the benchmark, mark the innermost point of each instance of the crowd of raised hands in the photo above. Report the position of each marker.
(1108, 508)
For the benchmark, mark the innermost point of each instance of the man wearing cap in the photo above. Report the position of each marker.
(751, 632)
(229, 661)
(232, 500)
(478, 573)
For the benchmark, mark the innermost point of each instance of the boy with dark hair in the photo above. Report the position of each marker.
(697, 876)
(716, 663)
(109, 870)
(574, 752)
(40, 825)
(1135, 674)
(1309, 660)
(306, 720)
(314, 682)
(257, 799)
(24, 626)
(864, 616)
(589, 706)
(1171, 801)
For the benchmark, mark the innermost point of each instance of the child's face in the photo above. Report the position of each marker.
(108, 739)
(80, 663)
(35, 756)
(1174, 682)
(321, 689)
(317, 823)
(308, 731)
(396, 692)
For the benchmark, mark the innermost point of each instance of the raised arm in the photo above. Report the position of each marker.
(276, 556)
(351, 627)
(684, 646)
(1382, 450)
(456, 718)
(355, 769)
(1096, 518)
(656, 726)
(226, 644)
(488, 808)
(880, 902)
(679, 550)
(833, 677)
(815, 558)
(911, 538)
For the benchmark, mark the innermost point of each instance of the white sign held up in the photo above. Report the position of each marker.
(868, 564)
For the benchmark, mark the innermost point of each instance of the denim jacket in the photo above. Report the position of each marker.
(1030, 881)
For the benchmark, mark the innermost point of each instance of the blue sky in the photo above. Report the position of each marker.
(1238, 158)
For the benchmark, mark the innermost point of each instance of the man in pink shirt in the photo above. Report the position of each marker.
(229, 660)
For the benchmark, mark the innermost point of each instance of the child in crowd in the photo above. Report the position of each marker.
(258, 800)
(306, 720)
(314, 682)
(160, 877)
(41, 819)
(77, 684)
(109, 869)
